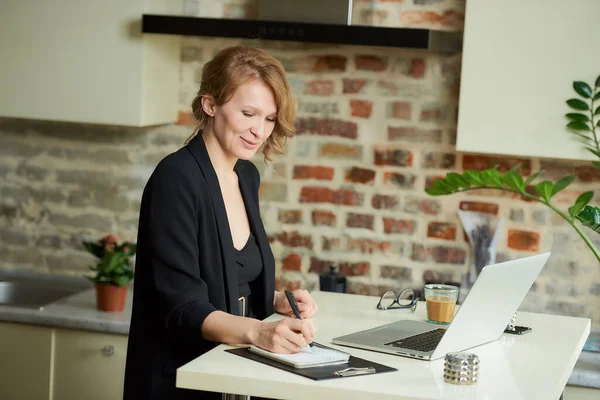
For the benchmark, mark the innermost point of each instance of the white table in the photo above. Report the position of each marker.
(533, 366)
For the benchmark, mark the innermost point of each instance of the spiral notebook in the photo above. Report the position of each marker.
(321, 355)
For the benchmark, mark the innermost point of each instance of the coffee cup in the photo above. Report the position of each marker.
(441, 301)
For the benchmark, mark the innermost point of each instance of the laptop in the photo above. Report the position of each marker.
(486, 311)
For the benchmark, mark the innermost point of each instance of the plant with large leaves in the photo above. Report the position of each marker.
(582, 123)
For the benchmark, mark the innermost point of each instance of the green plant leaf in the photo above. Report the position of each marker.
(597, 112)
(544, 189)
(596, 164)
(578, 104)
(457, 180)
(533, 177)
(582, 201)
(444, 185)
(436, 192)
(121, 280)
(514, 180)
(597, 82)
(492, 177)
(515, 168)
(584, 138)
(473, 177)
(94, 248)
(582, 89)
(561, 184)
(590, 217)
(594, 151)
(577, 117)
(582, 126)
(597, 96)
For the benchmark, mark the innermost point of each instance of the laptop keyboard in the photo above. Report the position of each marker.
(426, 341)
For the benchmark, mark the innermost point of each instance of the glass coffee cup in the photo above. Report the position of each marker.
(441, 301)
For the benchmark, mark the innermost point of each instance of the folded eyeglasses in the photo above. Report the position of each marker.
(390, 301)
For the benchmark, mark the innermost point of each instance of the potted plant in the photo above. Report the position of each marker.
(113, 272)
(583, 123)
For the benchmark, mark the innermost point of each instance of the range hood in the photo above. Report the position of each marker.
(316, 21)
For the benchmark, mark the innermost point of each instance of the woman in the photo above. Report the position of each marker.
(205, 273)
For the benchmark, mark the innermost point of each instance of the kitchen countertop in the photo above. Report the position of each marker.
(79, 312)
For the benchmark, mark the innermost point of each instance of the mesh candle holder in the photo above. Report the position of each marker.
(461, 368)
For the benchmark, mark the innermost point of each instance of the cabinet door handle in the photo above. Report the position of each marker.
(108, 350)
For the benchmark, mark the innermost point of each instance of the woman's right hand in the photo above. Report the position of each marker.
(288, 335)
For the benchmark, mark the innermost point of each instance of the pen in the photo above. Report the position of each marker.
(292, 300)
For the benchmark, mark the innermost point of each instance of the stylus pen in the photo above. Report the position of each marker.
(292, 300)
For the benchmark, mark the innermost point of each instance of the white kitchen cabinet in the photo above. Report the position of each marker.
(25, 361)
(519, 61)
(88, 365)
(87, 61)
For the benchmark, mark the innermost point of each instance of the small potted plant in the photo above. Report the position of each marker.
(113, 272)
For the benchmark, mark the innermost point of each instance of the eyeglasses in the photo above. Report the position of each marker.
(406, 299)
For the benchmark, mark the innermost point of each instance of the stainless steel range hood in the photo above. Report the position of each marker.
(316, 21)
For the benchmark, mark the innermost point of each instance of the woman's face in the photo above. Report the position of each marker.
(246, 121)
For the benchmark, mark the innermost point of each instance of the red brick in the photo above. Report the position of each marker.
(447, 255)
(370, 63)
(334, 244)
(293, 262)
(411, 134)
(290, 216)
(361, 108)
(370, 246)
(555, 170)
(347, 197)
(319, 87)
(400, 110)
(313, 172)
(324, 63)
(360, 221)
(433, 113)
(320, 217)
(284, 284)
(396, 157)
(353, 86)
(441, 230)
(354, 269)
(273, 191)
(418, 253)
(360, 175)
(417, 68)
(430, 276)
(294, 239)
(481, 162)
(391, 225)
(427, 206)
(439, 160)
(396, 273)
(489, 208)
(523, 240)
(384, 202)
(338, 150)
(403, 181)
(327, 127)
(449, 18)
(319, 266)
(184, 118)
(368, 289)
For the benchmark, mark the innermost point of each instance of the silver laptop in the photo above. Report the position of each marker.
(482, 318)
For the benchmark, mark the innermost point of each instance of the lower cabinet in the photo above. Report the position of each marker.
(46, 363)
(88, 365)
(25, 361)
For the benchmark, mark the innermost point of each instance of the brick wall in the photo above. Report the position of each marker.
(376, 126)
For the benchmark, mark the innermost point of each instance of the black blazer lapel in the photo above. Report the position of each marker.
(268, 272)
(198, 149)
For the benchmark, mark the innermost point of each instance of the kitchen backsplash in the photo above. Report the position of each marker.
(376, 126)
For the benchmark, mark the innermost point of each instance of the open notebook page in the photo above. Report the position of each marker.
(321, 355)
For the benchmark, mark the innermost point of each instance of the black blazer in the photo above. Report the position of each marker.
(185, 269)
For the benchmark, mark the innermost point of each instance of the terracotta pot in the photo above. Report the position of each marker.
(110, 297)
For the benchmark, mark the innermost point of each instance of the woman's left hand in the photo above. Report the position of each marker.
(306, 304)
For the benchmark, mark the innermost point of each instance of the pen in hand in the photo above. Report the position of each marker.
(292, 300)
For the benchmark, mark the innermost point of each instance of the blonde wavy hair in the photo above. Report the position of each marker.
(237, 65)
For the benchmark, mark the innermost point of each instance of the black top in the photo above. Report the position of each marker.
(249, 263)
(186, 268)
